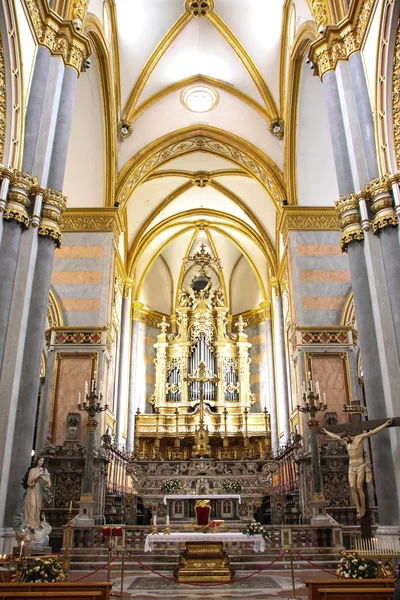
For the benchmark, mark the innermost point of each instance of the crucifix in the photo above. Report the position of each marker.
(202, 375)
(352, 435)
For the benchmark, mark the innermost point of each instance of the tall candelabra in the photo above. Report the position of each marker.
(312, 405)
(92, 405)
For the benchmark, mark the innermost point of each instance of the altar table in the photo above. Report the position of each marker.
(202, 497)
(204, 558)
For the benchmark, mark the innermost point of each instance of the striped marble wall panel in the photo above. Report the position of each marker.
(320, 276)
(81, 277)
(258, 364)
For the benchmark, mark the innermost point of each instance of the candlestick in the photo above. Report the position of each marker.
(70, 505)
(167, 521)
(79, 398)
(155, 520)
(21, 550)
(324, 398)
(86, 388)
(92, 385)
(317, 387)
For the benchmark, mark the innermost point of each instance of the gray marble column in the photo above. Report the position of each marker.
(123, 371)
(353, 140)
(271, 384)
(280, 367)
(130, 439)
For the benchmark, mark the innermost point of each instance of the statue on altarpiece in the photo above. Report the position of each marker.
(358, 468)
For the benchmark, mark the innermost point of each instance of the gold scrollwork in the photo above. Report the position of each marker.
(296, 218)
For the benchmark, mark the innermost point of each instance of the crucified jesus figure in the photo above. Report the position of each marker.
(358, 468)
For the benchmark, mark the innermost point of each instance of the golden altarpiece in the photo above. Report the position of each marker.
(204, 426)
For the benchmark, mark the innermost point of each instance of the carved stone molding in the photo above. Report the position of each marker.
(3, 104)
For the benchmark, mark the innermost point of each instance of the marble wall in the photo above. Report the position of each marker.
(81, 277)
(258, 364)
(320, 276)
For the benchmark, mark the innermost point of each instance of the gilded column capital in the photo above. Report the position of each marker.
(61, 37)
(54, 204)
(339, 42)
(350, 220)
(379, 192)
(128, 285)
(18, 200)
(266, 307)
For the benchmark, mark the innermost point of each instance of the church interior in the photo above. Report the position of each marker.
(200, 282)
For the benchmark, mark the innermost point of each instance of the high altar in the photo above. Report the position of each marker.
(202, 415)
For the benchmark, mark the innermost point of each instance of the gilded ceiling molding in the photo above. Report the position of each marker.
(152, 62)
(395, 98)
(340, 41)
(265, 237)
(94, 32)
(181, 219)
(197, 80)
(207, 139)
(349, 312)
(59, 36)
(306, 34)
(3, 102)
(201, 224)
(115, 50)
(321, 13)
(93, 220)
(54, 312)
(388, 60)
(297, 218)
(287, 9)
(253, 71)
(12, 131)
(192, 174)
(159, 208)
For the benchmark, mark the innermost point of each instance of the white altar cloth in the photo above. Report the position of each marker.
(202, 497)
(180, 538)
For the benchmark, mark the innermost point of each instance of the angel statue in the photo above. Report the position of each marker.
(29, 522)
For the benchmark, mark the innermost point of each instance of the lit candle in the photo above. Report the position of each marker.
(317, 387)
(155, 520)
(21, 550)
(95, 375)
(86, 388)
(324, 398)
(167, 520)
(79, 398)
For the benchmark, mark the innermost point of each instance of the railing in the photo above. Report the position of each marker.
(280, 536)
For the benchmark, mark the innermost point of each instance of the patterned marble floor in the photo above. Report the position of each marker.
(147, 586)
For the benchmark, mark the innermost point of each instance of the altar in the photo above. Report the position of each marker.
(181, 507)
(205, 557)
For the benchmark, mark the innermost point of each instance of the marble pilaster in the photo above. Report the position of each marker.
(130, 439)
(280, 365)
(271, 384)
(123, 371)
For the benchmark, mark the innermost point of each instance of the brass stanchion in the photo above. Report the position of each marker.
(67, 552)
(123, 561)
(294, 597)
(110, 547)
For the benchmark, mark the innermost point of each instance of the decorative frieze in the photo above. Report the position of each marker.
(296, 218)
(151, 318)
(314, 336)
(72, 336)
(99, 219)
(3, 103)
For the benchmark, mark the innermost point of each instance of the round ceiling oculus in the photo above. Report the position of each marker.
(199, 98)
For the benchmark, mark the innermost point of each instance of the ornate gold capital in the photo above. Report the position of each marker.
(299, 218)
(378, 190)
(350, 220)
(339, 42)
(54, 204)
(60, 36)
(16, 208)
(99, 219)
(276, 286)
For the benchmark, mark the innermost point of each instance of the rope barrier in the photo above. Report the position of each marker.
(207, 584)
(97, 570)
(314, 565)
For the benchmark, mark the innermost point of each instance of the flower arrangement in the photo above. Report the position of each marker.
(353, 567)
(254, 528)
(40, 570)
(170, 486)
(231, 486)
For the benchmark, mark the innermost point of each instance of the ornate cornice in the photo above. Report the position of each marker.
(321, 13)
(256, 316)
(340, 41)
(98, 219)
(295, 218)
(321, 337)
(59, 36)
(148, 317)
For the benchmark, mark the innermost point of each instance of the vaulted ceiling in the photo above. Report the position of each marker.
(176, 172)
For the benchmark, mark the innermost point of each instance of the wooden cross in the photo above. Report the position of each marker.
(202, 375)
(356, 427)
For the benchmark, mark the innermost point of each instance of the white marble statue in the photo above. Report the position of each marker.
(29, 522)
